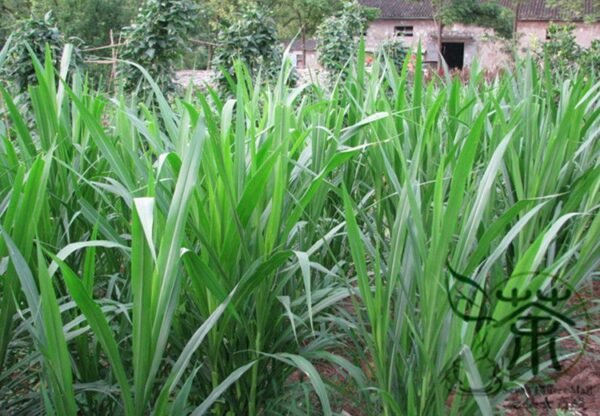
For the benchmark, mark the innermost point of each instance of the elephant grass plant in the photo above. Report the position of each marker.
(499, 181)
(196, 256)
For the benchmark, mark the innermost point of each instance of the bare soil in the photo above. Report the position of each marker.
(578, 389)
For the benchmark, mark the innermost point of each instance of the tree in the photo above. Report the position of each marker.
(590, 58)
(11, 11)
(156, 39)
(439, 9)
(89, 20)
(337, 36)
(564, 55)
(516, 9)
(485, 14)
(218, 11)
(251, 37)
(32, 36)
(304, 16)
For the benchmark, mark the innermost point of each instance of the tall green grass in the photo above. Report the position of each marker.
(497, 180)
(198, 256)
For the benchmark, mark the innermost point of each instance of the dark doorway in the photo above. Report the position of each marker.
(454, 54)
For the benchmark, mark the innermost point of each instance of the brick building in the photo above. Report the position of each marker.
(412, 22)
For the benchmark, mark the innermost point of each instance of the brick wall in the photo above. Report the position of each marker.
(478, 41)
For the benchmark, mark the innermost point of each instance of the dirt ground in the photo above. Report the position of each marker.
(578, 389)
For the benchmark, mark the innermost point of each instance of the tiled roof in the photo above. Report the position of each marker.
(537, 10)
(400, 9)
(421, 9)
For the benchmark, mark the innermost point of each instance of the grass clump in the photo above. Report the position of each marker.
(201, 256)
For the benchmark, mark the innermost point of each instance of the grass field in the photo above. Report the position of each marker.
(214, 256)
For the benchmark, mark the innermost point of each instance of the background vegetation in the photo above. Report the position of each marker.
(158, 36)
(251, 40)
(91, 21)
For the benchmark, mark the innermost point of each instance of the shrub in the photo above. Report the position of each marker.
(32, 35)
(156, 40)
(252, 39)
(90, 20)
(396, 52)
(337, 36)
(476, 13)
(590, 57)
(563, 54)
(561, 49)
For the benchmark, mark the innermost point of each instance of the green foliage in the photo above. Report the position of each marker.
(561, 51)
(304, 16)
(290, 16)
(485, 14)
(156, 40)
(86, 22)
(456, 183)
(590, 58)
(11, 12)
(563, 55)
(250, 38)
(32, 36)
(561, 43)
(338, 35)
(396, 51)
(89, 20)
(213, 255)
